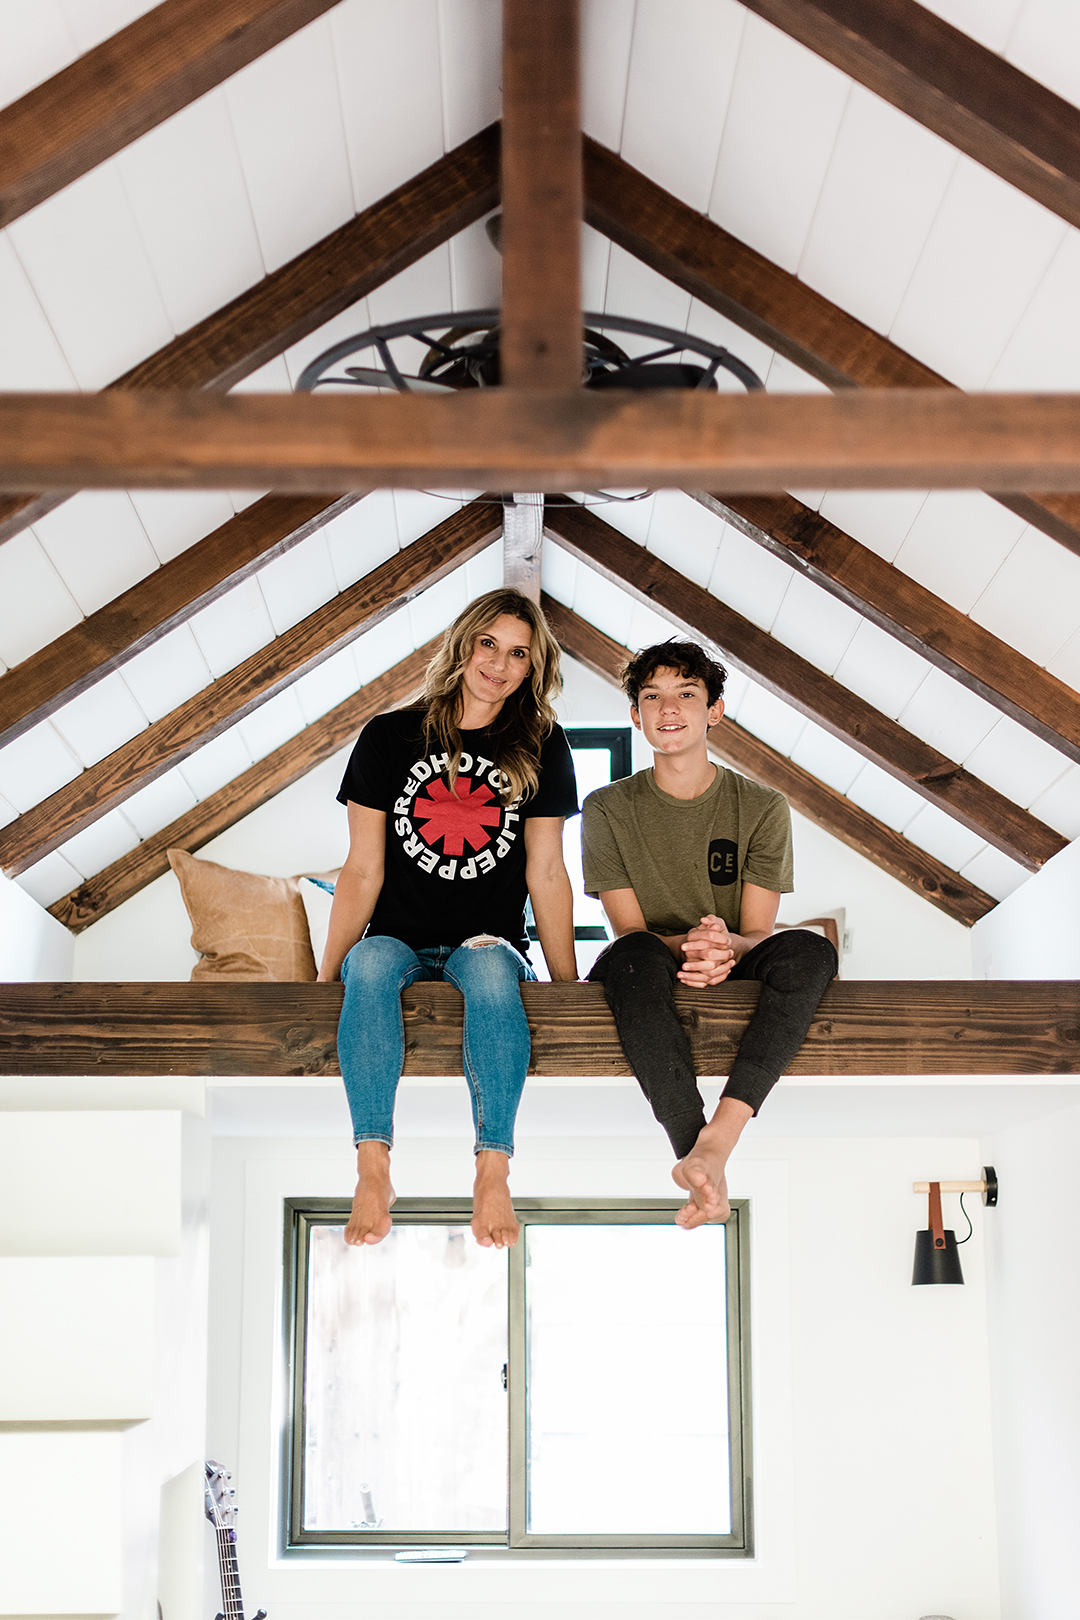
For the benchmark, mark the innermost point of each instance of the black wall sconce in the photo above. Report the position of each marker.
(936, 1256)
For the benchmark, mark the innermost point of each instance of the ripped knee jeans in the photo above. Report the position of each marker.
(495, 1048)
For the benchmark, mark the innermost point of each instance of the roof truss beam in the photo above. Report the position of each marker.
(109, 888)
(874, 1027)
(540, 335)
(951, 84)
(107, 639)
(891, 851)
(500, 438)
(896, 603)
(170, 740)
(776, 307)
(782, 672)
(307, 292)
(130, 83)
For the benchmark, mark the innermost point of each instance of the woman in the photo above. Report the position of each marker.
(456, 810)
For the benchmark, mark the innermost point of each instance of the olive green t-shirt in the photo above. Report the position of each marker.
(686, 858)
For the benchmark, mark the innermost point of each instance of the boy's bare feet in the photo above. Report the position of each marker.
(494, 1221)
(370, 1218)
(701, 1173)
(708, 1199)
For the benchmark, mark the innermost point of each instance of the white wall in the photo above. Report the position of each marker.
(90, 1183)
(1035, 933)
(892, 932)
(84, 1349)
(171, 1445)
(33, 945)
(104, 1224)
(1033, 1278)
(50, 1480)
(875, 1497)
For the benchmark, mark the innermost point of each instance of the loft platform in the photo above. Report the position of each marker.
(866, 1027)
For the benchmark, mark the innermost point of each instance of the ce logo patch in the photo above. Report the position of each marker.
(723, 862)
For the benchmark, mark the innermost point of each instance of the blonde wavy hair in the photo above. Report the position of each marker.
(527, 716)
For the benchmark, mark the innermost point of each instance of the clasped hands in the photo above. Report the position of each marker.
(708, 954)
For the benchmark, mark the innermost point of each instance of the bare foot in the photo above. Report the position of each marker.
(494, 1221)
(701, 1173)
(370, 1218)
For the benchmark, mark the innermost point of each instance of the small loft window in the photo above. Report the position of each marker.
(601, 755)
(559, 1396)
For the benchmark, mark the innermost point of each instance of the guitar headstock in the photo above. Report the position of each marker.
(220, 1507)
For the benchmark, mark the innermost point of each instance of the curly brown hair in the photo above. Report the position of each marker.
(686, 658)
(527, 716)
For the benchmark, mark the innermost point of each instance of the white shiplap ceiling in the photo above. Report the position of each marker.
(730, 115)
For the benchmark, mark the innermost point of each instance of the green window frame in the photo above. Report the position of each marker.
(302, 1214)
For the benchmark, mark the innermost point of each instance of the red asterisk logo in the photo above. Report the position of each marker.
(458, 818)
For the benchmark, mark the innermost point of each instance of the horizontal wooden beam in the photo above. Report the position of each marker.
(865, 1027)
(540, 340)
(948, 82)
(503, 439)
(730, 743)
(896, 603)
(130, 83)
(310, 290)
(270, 670)
(772, 304)
(215, 814)
(105, 640)
(799, 683)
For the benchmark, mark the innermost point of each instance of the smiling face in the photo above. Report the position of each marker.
(501, 660)
(673, 712)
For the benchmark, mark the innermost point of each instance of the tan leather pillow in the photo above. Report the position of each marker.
(244, 926)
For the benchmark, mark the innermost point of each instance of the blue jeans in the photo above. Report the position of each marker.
(371, 1032)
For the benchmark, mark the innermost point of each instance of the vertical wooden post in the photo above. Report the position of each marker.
(541, 345)
(523, 540)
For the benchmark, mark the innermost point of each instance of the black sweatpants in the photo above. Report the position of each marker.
(638, 973)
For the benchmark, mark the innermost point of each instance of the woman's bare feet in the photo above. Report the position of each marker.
(494, 1221)
(370, 1218)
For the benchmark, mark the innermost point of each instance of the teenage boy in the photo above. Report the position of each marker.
(689, 861)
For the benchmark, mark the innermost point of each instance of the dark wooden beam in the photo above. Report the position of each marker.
(889, 850)
(867, 1027)
(109, 888)
(773, 305)
(974, 804)
(499, 438)
(105, 640)
(270, 670)
(929, 878)
(540, 338)
(130, 83)
(687, 248)
(896, 603)
(951, 84)
(308, 291)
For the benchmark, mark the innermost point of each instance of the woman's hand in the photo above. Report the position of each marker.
(357, 889)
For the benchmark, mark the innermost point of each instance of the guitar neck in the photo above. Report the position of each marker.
(232, 1602)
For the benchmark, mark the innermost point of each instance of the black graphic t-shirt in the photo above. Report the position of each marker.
(455, 862)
